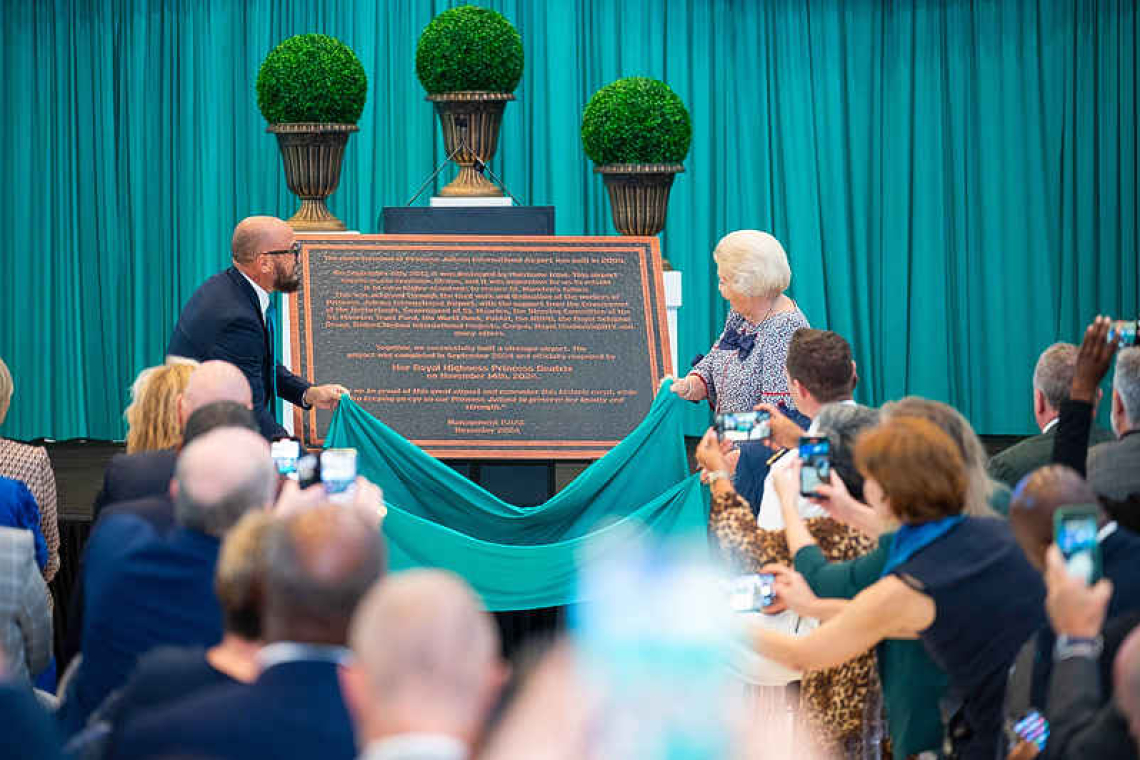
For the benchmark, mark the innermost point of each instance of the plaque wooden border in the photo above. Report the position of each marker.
(653, 297)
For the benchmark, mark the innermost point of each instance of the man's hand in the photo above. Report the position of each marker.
(324, 396)
(1093, 360)
(1024, 751)
(785, 433)
(1074, 608)
(367, 500)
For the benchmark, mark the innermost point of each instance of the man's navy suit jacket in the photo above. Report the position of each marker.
(142, 589)
(293, 710)
(222, 320)
(136, 476)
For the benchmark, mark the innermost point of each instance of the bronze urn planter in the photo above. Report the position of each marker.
(312, 154)
(639, 195)
(470, 122)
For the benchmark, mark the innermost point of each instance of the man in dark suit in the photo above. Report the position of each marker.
(1052, 378)
(1034, 503)
(1114, 467)
(1081, 724)
(319, 564)
(143, 588)
(148, 473)
(230, 317)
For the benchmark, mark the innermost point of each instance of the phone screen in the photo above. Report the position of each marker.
(285, 454)
(744, 426)
(1125, 331)
(338, 472)
(752, 593)
(815, 453)
(1075, 532)
(1033, 728)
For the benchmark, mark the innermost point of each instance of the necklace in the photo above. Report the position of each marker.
(765, 317)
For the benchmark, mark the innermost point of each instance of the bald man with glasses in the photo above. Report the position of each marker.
(231, 317)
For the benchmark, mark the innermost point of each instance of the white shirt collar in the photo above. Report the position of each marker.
(262, 293)
(291, 651)
(418, 746)
(1050, 425)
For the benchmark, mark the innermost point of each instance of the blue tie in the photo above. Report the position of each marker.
(271, 323)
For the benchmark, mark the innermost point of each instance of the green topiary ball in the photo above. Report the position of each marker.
(636, 120)
(311, 78)
(469, 48)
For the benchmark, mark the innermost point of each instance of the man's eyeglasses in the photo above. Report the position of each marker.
(294, 250)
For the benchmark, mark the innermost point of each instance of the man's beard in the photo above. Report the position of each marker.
(287, 283)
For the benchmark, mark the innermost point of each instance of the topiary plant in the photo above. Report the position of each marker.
(469, 48)
(636, 120)
(311, 78)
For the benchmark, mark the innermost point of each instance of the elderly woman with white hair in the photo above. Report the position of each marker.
(746, 365)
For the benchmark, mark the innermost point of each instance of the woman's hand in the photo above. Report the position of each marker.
(792, 590)
(690, 387)
(1024, 751)
(841, 505)
(710, 453)
(786, 480)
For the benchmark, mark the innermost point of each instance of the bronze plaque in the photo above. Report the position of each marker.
(479, 347)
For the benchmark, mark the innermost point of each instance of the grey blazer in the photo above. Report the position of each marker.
(25, 614)
(1114, 467)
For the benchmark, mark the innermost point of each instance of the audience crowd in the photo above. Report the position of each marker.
(918, 602)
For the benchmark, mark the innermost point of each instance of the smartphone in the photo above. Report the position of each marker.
(1075, 530)
(1032, 727)
(308, 470)
(1125, 331)
(752, 593)
(815, 454)
(285, 454)
(744, 426)
(338, 473)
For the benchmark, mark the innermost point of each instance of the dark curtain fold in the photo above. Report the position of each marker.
(955, 182)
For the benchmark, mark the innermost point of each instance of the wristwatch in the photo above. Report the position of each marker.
(1077, 646)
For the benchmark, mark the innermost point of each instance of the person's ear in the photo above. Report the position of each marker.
(1117, 404)
(854, 375)
(1039, 402)
(172, 489)
(183, 414)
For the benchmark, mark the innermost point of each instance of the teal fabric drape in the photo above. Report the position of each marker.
(526, 557)
(955, 181)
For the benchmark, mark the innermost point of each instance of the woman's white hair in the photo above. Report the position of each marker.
(753, 263)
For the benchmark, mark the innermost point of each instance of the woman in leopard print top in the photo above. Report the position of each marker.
(841, 707)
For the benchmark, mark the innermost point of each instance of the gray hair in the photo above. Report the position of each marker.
(753, 263)
(1126, 382)
(842, 423)
(1053, 375)
(222, 475)
(216, 517)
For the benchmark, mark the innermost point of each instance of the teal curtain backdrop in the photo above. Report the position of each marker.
(955, 182)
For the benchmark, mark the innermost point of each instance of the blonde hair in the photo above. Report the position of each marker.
(240, 574)
(7, 387)
(979, 487)
(152, 416)
(753, 263)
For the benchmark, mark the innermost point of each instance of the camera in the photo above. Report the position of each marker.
(752, 593)
(744, 426)
(1124, 331)
(815, 455)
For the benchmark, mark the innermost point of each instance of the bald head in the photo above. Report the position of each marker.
(426, 650)
(1126, 682)
(320, 563)
(1035, 500)
(256, 234)
(214, 381)
(220, 476)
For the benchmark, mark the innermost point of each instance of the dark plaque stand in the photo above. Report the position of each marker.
(525, 485)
